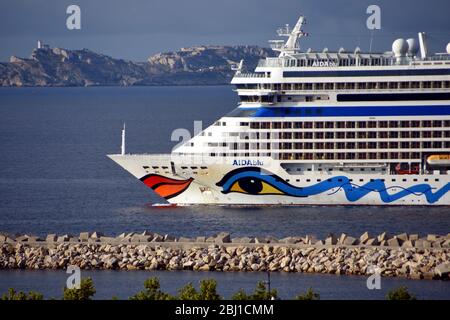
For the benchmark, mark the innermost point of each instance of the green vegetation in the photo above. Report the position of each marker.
(207, 291)
(400, 293)
(152, 291)
(13, 295)
(85, 292)
(261, 293)
(308, 295)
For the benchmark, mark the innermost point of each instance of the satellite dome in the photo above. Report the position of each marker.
(400, 47)
(413, 47)
(448, 48)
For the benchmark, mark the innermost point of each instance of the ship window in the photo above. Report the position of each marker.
(155, 167)
(437, 180)
(308, 180)
(145, 167)
(329, 86)
(361, 180)
(393, 180)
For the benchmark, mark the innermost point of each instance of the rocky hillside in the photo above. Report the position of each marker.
(189, 66)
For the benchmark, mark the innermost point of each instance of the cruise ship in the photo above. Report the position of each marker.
(319, 128)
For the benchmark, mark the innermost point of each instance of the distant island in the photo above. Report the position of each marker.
(57, 67)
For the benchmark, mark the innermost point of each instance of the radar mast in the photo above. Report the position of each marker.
(291, 46)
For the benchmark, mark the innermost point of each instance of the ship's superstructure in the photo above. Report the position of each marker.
(320, 128)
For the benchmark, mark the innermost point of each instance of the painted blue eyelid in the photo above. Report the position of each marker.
(353, 192)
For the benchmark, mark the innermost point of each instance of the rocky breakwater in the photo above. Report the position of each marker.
(402, 255)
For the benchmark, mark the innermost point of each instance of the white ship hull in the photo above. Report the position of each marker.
(343, 189)
(319, 128)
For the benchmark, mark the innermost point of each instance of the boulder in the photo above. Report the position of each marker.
(51, 238)
(446, 244)
(23, 238)
(96, 235)
(331, 240)
(442, 270)
(200, 239)
(260, 240)
(243, 240)
(33, 239)
(372, 242)
(2, 238)
(384, 236)
(408, 244)
(342, 238)
(210, 239)
(146, 233)
(184, 239)
(413, 237)
(402, 237)
(310, 239)
(349, 241)
(223, 237)
(393, 242)
(270, 239)
(432, 237)
(107, 239)
(418, 243)
(63, 238)
(426, 244)
(435, 244)
(169, 238)
(364, 237)
(156, 238)
(289, 240)
(84, 236)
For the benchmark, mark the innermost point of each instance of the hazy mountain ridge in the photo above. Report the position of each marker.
(189, 66)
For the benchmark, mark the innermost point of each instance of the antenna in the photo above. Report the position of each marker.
(238, 68)
(122, 149)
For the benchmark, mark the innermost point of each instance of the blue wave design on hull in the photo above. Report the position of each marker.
(353, 192)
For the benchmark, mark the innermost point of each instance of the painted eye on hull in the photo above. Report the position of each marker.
(253, 186)
(252, 181)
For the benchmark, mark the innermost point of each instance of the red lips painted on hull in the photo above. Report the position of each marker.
(166, 187)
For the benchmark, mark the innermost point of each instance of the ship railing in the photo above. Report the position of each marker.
(372, 62)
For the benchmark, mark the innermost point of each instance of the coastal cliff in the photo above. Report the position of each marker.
(201, 65)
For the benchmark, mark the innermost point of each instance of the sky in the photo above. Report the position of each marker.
(135, 29)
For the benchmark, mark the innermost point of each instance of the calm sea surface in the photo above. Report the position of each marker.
(55, 177)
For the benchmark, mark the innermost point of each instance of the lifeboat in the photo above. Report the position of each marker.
(439, 160)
